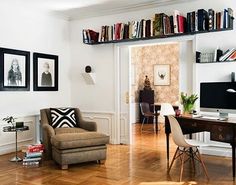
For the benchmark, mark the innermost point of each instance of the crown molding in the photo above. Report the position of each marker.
(78, 14)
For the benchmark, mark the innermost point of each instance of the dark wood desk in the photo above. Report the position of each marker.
(222, 131)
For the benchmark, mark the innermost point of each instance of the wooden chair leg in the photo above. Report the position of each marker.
(182, 166)
(192, 159)
(142, 124)
(202, 163)
(172, 162)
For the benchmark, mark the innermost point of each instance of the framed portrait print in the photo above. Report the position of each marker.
(162, 74)
(45, 72)
(15, 70)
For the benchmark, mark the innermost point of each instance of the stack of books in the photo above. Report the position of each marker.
(163, 24)
(229, 55)
(33, 155)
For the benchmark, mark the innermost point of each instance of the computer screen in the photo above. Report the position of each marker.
(218, 95)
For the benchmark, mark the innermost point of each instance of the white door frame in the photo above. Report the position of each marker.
(117, 72)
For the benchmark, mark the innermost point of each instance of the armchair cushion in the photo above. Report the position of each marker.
(68, 130)
(63, 117)
(75, 140)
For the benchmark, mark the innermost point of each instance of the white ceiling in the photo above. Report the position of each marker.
(78, 9)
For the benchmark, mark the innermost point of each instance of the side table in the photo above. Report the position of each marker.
(16, 130)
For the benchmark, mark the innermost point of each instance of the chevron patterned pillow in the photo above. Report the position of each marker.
(63, 117)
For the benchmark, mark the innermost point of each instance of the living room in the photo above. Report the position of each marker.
(52, 32)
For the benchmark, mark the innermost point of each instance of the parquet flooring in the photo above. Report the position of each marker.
(143, 163)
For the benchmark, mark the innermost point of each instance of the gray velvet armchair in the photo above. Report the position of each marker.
(72, 145)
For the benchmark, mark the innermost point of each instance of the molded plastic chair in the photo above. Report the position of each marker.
(186, 147)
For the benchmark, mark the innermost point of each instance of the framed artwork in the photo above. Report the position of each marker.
(15, 70)
(162, 74)
(45, 72)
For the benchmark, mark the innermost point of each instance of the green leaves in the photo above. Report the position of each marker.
(188, 101)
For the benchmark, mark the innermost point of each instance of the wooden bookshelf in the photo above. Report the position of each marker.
(161, 37)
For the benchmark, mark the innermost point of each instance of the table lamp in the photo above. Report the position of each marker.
(167, 109)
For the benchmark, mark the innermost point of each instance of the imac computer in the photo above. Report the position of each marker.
(218, 97)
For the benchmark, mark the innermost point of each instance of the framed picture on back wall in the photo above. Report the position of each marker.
(45, 72)
(14, 70)
(162, 74)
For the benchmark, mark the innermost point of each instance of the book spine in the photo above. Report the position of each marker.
(151, 28)
(193, 22)
(148, 28)
(211, 14)
(158, 25)
(230, 17)
(172, 24)
(222, 20)
(196, 21)
(143, 28)
(225, 19)
(200, 20)
(189, 22)
(176, 29)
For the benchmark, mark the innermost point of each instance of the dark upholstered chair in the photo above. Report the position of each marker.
(145, 111)
(72, 145)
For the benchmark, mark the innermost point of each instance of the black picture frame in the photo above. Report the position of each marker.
(51, 78)
(14, 79)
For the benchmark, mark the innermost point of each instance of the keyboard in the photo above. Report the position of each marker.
(210, 117)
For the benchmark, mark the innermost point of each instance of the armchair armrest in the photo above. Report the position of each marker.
(49, 129)
(88, 125)
(48, 132)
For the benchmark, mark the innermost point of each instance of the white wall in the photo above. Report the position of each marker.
(100, 97)
(27, 29)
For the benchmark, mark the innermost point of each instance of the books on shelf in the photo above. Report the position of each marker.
(33, 155)
(227, 55)
(163, 24)
(90, 36)
(217, 56)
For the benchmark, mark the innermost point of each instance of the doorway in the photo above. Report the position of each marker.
(127, 104)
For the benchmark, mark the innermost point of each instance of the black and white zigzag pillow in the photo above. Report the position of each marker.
(63, 117)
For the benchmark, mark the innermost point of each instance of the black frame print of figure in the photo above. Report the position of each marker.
(14, 70)
(45, 72)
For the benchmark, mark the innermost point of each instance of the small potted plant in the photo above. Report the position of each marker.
(10, 120)
(188, 102)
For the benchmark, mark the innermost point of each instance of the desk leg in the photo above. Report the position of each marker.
(167, 149)
(156, 122)
(233, 159)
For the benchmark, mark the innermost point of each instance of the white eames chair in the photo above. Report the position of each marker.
(186, 147)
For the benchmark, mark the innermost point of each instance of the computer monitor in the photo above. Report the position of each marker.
(218, 97)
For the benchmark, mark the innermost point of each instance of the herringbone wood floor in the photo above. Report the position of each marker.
(142, 163)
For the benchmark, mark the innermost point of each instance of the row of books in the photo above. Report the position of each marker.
(162, 24)
(217, 56)
(33, 155)
(134, 29)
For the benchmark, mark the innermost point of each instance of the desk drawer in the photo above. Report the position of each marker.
(222, 133)
(192, 126)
